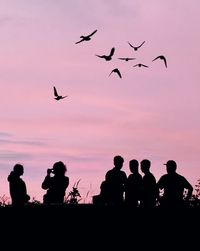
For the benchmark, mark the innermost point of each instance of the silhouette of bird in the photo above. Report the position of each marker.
(57, 97)
(136, 47)
(109, 57)
(127, 59)
(140, 65)
(86, 38)
(116, 70)
(162, 58)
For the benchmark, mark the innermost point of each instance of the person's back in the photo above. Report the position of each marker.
(174, 186)
(116, 180)
(149, 189)
(17, 186)
(133, 185)
(56, 185)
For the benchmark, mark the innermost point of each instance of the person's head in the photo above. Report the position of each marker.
(133, 165)
(59, 168)
(171, 166)
(118, 162)
(18, 169)
(145, 165)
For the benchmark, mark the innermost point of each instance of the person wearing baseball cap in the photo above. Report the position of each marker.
(174, 186)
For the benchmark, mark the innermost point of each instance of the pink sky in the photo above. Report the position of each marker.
(150, 113)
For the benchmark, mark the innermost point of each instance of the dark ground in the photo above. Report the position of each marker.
(89, 226)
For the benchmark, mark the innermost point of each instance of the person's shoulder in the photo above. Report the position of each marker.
(181, 177)
(109, 171)
(151, 175)
(123, 173)
(164, 176)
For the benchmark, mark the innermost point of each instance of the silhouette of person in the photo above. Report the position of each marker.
(105, 196)
(149, 188)
(173, 186)
(55, 185)
(17, 186)
(133, 185)
(114, 185)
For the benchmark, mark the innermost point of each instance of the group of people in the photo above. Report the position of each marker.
(171, 190)
(55, 183)
(136, 190)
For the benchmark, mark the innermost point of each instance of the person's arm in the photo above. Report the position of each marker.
(46, 182)
(189, 188)
(159, 186)
(67, 182)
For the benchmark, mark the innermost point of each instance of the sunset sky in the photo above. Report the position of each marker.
(150, 113)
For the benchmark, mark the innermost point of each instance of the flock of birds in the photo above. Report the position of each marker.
(109, 57)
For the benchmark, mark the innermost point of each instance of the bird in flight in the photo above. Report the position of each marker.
(127, 59)
(108, 57)
(57, 97)
(136, 47)
(116, 70)
(162, 58)
(141, 65)
(86, 38)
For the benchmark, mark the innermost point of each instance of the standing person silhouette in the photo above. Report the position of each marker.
(55, 185)
(115, 182)
(149, 188)
(17, 186)
(173, 186)
(133, 185)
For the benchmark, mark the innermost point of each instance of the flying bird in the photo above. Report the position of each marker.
(141, 65)
(127, 59)
(136, 47)
(108, 57)
(57, 97)
(162, 58)
(116, 70)
(86, 38)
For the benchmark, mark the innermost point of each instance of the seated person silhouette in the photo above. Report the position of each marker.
(55, 183)
(114, 185)
(133, 185)
(17, 186)
(104, 197)
(173, 186)
(149, 189)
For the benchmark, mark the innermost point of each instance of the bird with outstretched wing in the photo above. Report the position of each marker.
(108, 57)
(57, 97)
(86, 38)
(116, 70)
(136, 47)
(162, 58)
(126, 59)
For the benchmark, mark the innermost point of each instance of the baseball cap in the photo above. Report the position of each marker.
(170, 163)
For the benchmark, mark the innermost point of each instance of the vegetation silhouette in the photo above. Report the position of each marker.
(74, 196)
